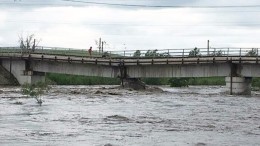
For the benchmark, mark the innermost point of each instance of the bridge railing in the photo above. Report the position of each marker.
(191, 52)
(152, 53)
(67, 52)
(9, 51)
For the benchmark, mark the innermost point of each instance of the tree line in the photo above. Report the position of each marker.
(193, 53)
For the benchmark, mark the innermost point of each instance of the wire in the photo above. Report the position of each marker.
(28, 4)
(163, 6)
(135, 5)
(148, 25)
(40, 11)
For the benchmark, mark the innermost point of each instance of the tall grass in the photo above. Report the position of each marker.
(207, 81)
(256, 82)
(63, 79)
(182, 82)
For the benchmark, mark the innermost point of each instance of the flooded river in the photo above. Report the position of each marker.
(108, 116)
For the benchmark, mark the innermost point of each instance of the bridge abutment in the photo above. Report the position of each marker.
(239, 85)
(20, 70)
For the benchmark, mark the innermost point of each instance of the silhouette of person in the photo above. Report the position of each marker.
(90, 51)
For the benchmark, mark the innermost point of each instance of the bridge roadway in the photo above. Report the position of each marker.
(133, 61)
(157, 65)
(237, 69)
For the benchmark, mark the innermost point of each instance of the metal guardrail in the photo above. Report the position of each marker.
(202, 52)
(153, 53)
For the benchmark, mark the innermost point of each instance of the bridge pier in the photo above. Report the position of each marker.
(31, 77)
(239, 85)
(128, 82)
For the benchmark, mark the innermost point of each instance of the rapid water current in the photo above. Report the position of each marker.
(109, 116)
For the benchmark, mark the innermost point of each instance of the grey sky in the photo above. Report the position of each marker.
(78, 25)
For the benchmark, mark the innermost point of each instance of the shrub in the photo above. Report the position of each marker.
(35, 90)
(195, 52)
(252, 52)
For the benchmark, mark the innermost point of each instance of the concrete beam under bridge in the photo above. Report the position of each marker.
(190, 70)
(76, 68)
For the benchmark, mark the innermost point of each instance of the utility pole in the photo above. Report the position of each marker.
(208, 47)
(99, 45)
(102, 47)
(33, 47)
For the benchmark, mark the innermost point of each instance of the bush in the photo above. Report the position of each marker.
(35, 90)
(195, 52)
(152, 53)
(252, 52)
(217, 53)
(137, 53)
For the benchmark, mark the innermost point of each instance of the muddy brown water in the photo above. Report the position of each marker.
(101, 116)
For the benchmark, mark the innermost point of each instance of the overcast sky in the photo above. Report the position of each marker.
(61, 23)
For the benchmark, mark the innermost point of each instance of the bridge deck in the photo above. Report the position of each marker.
(135, 61)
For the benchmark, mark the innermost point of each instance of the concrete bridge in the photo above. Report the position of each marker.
(238, 65)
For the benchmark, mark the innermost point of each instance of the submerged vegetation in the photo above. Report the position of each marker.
(35, 90)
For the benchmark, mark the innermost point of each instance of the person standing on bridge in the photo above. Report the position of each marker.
(90, 51)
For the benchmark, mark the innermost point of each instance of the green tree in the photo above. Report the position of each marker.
(137, 53)
(35, 90)
(252, 52)
(152, 53)
(195, 52)
(217, 53)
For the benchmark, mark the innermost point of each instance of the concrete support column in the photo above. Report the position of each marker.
(31, 77)
(133, 83)
(239, 86)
